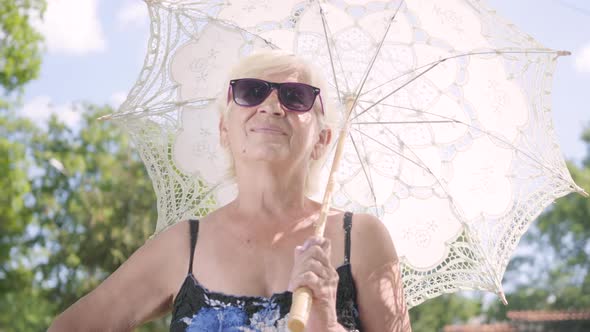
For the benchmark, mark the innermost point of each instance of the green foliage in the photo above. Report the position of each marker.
(14, 136)
(434, 314)
(20, 53)
(89, 205)
(562, 233)
(23, 307)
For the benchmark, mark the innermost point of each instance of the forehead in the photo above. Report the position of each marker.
(290, 75)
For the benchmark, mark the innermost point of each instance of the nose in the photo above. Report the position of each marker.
(271, 104)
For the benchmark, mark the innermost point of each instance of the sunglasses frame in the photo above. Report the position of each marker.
(274, 86)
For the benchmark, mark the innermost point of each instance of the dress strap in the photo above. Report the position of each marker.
(194, 223)
(347, 228)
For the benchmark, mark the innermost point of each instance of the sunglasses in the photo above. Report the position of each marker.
(298, 97)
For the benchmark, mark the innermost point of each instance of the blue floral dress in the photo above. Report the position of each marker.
(198, 309)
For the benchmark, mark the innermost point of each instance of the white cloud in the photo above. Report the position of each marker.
(582, 59)
(133, 13)
(40, 108)
(117, 99)
(72, 27)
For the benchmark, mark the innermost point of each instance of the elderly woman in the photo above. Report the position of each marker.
(235, 269)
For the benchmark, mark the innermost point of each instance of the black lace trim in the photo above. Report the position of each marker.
(192, 297)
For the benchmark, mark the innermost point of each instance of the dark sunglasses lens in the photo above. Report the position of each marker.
(297, 96)
(250, 92)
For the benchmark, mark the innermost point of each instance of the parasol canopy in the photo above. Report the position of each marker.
(451, 142)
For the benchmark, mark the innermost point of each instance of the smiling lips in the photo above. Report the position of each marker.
(266, 129)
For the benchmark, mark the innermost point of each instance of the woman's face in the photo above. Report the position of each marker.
(268, 132)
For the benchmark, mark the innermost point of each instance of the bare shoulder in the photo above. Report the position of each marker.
(371, 243)
(138, 291)
(172, 236)
(170, 245)
(382, 306)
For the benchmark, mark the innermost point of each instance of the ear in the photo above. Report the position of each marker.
(223, 136)
(325, 137)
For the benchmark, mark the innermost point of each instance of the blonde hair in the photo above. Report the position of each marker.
(275, 62)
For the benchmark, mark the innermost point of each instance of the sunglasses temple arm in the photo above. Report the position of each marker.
(322, 104)
(228, 93)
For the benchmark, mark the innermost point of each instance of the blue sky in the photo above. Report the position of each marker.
(95, 50)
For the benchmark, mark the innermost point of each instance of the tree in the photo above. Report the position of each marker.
(15, 215)
(90, 205)
(446, 309)
(20, 61)
(20, 44)
(562, 233)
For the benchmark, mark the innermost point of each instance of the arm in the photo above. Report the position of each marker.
(138, 291)
(380, 294)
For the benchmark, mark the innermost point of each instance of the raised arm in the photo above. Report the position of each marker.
(140, 290)
(382, 306)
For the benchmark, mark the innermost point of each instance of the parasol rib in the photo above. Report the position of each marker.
(488, 133)
(397, 89)
(165, 108)
(229, 24)
(558, 53)
(324, 24)
(477, 244)
(371, 64)
(367, 174)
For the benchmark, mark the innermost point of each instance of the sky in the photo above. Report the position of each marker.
(95, 50)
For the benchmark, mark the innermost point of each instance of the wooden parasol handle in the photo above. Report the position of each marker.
(302, 297)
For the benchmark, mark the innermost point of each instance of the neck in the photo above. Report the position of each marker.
(271, 195)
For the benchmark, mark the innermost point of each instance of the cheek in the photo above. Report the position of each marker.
(306, 117)
(234, 133)
(308, 127)
(235, 119)
(303, 123)
(306, 120)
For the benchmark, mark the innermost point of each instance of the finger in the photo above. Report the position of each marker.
(306, 279)
(315, 258)
(307, 262)
(316, 240)
(323, 244)
(322, 268)
(327, 245)
(320, 288)
(318, 254)
(298, 250)
(317, 267)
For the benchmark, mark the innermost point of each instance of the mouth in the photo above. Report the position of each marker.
(268, 130)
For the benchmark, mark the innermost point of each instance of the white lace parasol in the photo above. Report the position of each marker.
(451, 139)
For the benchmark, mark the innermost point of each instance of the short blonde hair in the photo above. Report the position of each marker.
(275, 62)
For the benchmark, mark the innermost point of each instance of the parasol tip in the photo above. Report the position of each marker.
(105, 117)
(579, 190)
(503, 297)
